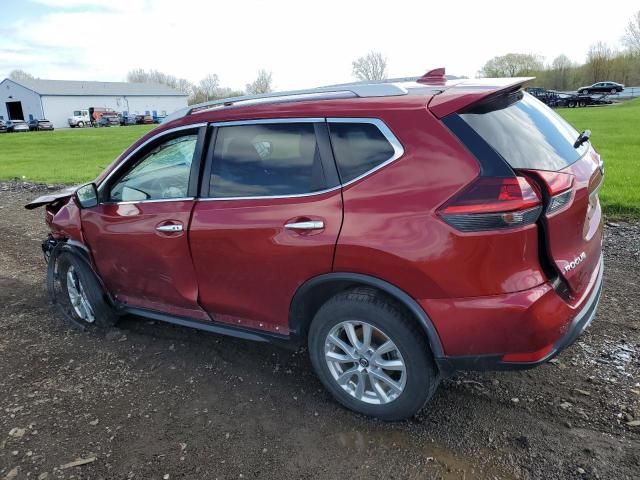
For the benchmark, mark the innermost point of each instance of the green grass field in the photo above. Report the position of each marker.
(68, 155)
(615, 133)
(78, 155)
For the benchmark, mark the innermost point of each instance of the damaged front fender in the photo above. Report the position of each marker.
(52, 197)
(62, 214)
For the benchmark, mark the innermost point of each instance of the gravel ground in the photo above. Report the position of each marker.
(154, 401)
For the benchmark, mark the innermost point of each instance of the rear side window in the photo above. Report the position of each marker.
(358, 148)
(266, 160)
(526, 133)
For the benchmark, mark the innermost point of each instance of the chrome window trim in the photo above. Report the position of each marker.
(125, 160)
(271, 197)
(155, 200)
(263, 121)
(398, 150)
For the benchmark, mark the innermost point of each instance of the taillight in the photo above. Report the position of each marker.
(493, 203)
(558, 186)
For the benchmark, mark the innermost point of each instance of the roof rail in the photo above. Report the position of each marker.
(320, 93)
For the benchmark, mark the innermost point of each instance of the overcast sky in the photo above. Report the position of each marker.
(303, 43)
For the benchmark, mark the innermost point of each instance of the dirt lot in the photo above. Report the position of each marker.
(155, 401)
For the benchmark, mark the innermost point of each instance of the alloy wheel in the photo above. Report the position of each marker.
(365, 362)
(78, 297)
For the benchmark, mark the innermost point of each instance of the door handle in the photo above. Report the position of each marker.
(170, 228)
(309, 225)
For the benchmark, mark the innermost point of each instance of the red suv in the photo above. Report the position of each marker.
(400, 230)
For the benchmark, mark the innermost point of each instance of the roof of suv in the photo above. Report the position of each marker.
(444, 96)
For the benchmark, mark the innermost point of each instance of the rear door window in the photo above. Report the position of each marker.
(526, 133)
(257, 160)
(358, 148)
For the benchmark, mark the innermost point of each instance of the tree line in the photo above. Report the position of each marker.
(207, 89)
(602, 63)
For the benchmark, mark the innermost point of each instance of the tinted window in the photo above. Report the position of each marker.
(358, 148)
(266, 159)
(161, 173)
(527, 133)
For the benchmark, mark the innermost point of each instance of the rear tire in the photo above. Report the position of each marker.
(78, 294)
(392, 375)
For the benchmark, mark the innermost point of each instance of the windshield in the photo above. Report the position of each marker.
(77, 113)
(527, 133)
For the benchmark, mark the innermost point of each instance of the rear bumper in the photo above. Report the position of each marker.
(558, 324)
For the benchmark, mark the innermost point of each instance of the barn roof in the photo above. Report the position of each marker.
(82, 88)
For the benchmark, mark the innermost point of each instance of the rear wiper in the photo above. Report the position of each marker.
(583, 137)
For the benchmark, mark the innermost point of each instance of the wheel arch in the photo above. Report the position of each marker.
(81, 251)
(312, 294)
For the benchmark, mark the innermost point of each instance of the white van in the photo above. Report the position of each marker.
(80, 118)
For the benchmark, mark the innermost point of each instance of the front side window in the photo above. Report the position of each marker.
(162, 173)
(256, 160)
(358, 148)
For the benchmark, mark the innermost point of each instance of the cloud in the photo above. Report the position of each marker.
(304, 44)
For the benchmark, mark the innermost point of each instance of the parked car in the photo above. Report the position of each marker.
(602, 87)
(144, 119)
(399, 231)
(108, 120)
(80, 118)
(17, 126)
(3, 126)
(127, 120)
(42, 124)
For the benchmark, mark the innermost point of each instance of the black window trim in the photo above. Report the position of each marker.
(326, 157)
(142, 149)
(326, 153)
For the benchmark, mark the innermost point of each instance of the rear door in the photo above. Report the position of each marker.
(138, 232)
(268, 219)
(538, 143)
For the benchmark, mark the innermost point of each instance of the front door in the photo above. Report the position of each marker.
(138, 233)
(268, 220)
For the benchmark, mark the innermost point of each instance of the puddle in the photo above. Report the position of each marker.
(432, 459)
(610, 359)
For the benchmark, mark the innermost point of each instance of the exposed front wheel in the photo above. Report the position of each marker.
(80, 124)
(371, 356)
(78, 294)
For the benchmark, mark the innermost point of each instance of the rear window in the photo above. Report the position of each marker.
(358, 148)
(526, 133)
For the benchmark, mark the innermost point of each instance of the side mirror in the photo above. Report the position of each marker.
(87, 195)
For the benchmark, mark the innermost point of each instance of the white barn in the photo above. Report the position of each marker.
(56, 100)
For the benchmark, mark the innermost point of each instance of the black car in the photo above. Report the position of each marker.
(602, 87)
(3, 127)
(42, 124)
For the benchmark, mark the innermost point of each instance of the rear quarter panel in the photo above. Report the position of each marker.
(391, 229)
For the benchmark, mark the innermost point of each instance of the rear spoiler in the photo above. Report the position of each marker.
(468, 92)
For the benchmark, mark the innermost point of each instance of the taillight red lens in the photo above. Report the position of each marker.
(555, 182)
(558, 186)
(491, 203)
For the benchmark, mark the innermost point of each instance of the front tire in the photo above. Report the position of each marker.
(76, 291)
(371, 356)
(80, 124)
